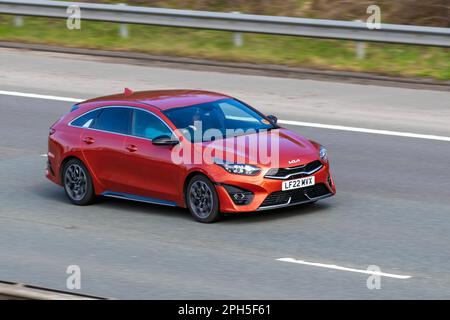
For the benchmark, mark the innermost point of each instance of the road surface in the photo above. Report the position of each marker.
(392, 209)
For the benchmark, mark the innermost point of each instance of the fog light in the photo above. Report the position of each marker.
(239, 196)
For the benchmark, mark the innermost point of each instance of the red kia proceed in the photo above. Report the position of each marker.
(202, 150)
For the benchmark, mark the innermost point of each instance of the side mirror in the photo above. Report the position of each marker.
(164, 141)
(272, 119)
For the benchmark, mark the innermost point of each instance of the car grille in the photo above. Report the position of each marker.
(294, 172)
(296, 195)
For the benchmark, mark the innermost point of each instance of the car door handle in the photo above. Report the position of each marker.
(132, 148)
(89, 140)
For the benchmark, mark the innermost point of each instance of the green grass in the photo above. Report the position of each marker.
(396, 60)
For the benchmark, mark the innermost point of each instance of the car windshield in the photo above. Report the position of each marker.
(218, 119)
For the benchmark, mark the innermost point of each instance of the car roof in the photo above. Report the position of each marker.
(163, 99)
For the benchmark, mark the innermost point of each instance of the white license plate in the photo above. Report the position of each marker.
(298, 183)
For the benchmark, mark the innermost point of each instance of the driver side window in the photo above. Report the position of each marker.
(147, 125)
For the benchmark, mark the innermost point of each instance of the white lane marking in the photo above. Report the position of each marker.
(332, 266)
(364, 130)
(43, 155)
(38, 96)
(288, 122)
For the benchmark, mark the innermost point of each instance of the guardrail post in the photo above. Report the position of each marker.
(360, 48)
(18, 21)
(238, 39)
(123, 27)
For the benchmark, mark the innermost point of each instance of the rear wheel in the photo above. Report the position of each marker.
(78, 183)
(202, 200)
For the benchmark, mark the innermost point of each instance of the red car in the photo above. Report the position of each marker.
(202, 150)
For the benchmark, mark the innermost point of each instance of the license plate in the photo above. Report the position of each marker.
(298, 183)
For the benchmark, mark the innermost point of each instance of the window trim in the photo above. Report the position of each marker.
(131, 119)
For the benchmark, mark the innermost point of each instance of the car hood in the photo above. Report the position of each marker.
(261, 149)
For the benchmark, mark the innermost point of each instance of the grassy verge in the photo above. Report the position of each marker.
(396, 60)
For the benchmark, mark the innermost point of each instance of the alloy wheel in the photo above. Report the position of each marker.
(75, 182)
(201, 199)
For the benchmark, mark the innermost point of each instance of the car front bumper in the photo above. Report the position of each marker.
(267, 193)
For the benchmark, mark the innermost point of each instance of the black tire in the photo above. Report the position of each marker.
(203, 207)
(77, 183)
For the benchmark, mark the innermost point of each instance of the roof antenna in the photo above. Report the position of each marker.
(128, 92)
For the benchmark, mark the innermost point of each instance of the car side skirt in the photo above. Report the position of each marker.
(137, 198)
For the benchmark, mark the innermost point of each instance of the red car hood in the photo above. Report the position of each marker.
(260, 149)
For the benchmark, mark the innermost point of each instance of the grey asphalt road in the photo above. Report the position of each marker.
(392, 208)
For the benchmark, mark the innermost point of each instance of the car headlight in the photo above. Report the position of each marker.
(323, 153)
(237, 168)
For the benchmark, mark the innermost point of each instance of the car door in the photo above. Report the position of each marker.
(104, 146)
(150, 171)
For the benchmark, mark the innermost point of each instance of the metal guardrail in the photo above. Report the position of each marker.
(316, 28)
(18, 291)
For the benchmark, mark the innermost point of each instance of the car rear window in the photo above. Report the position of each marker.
(86, 120)
(114, 119)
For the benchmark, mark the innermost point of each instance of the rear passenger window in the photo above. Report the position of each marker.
(86, 120)
(114, 120)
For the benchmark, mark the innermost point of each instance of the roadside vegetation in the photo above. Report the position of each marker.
(386, 59)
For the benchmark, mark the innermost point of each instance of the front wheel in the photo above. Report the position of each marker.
(78, 183)
(202, 200)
